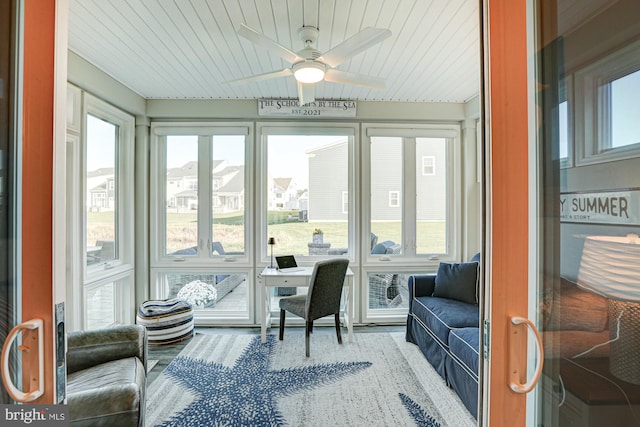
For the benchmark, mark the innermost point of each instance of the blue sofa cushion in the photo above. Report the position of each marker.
(463, 345)
(440, 315)
(458, 281)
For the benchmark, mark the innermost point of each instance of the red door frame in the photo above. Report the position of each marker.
(507, 114)
(37, 174)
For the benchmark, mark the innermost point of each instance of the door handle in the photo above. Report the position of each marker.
(516, 352)
(34, 350)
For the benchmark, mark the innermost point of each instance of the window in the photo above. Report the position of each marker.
(625, 111)
(428, 165)
(204, 217)
(413, 182)
(199, 215)
(394, 199)
(107, 162)
(306, 172)
(425, 220)
(607, 127)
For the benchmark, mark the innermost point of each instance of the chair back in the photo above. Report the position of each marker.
(323, 297)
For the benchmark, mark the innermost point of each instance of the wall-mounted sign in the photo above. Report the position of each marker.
(602, 207)
(317, 109)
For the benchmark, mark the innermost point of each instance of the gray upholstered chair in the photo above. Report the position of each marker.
(322, 299)
(107, 376)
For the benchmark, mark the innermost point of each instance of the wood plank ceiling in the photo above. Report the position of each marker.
(188, 49)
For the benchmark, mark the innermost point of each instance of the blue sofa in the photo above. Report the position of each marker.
(444, 320)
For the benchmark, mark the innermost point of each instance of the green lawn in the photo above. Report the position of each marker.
(291, 236)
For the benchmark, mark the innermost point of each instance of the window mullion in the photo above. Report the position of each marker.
(409, 197)
(204, 195)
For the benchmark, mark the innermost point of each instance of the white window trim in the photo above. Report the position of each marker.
(205, 131)
(125, 198)
(591, 107)
(454, 219)
(263, 130)
(121, 270)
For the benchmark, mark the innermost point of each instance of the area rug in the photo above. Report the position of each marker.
(234, 380)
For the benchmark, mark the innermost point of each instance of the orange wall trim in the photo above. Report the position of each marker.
(507, 78)
(37, 173)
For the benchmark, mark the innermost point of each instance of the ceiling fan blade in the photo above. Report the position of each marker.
(306, 93)
(260, 77)
(337, 76)
(354, 45)
(269, 44)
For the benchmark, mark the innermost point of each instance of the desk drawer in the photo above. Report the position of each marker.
(286, 281)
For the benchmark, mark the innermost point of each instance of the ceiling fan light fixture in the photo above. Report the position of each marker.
(309, 71)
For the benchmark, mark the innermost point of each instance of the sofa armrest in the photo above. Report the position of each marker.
(94, 347)
(421, 285)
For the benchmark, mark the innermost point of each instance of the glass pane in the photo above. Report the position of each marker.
(100, 306)
(102, 188)
(388, 290)
(589, 219)
(386, 191)
(625, 110)
(227, 199)
(217, 292)
(431, 206)
(307, 194)
(182, 195)
(563, 116)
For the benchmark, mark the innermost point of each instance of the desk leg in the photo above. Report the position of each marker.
(348, 309)
(266, 313)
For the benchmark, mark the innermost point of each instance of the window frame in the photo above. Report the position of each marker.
(409, 133)
(593, 108)
(120, 270)
(266, 129)
(395, 204)
(205, 131)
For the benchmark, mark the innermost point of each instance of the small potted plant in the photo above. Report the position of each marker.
(318, 236)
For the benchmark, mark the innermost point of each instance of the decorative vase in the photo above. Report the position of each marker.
(318, 238)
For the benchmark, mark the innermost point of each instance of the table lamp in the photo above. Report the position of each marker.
(271, 242)
(610, 266)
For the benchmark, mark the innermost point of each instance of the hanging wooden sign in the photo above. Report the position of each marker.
(601, 207)
(318, 109)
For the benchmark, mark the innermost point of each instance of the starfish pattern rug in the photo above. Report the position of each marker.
(235, 380)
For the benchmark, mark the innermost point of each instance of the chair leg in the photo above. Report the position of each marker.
(311, 327)
(281, 333)
(338, 328)
(307, 332)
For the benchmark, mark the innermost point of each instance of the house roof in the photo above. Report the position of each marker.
(282, 183)
(236, 184)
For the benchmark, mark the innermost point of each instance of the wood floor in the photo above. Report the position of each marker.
(164, 354)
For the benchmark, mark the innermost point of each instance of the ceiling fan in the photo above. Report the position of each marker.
(309, 66)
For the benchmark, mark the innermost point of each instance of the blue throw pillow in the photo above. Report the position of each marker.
(458, 281)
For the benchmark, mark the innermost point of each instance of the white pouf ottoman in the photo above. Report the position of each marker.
(167, 321)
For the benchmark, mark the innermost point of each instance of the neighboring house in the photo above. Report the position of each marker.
(228, 189)
(283, 194)
(227, 185)
(329, 192)
(182, 185)
(101, 190)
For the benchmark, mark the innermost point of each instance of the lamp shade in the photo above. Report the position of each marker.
(271, 241)
(610, 266)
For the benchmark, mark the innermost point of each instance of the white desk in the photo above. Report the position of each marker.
(273, 278)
